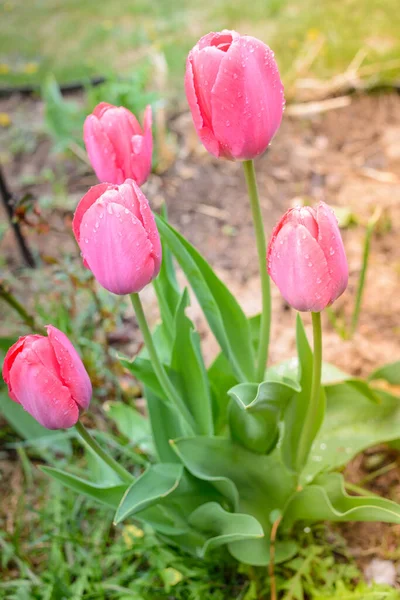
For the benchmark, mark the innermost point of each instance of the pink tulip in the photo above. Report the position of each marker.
(306, 258)
(117, 146)
(118, 237)
(235, 94)
(46, 376)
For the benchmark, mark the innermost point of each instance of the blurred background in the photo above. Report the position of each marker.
(339, 142)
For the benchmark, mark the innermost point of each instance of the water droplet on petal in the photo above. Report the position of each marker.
(310, 264)
(86, 241)
(331, 251)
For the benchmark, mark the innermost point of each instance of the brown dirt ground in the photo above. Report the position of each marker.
(349, 158)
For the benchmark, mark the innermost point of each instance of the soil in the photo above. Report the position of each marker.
(349, 157)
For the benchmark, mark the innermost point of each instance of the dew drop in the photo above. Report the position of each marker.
(126, 211)
(331, 251)
(86, 241)
(235, 76)
(227, 123)
(310, 264)
(322, 446)
(109, 209)
(319, 280)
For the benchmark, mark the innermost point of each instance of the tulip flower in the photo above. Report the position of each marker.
(117, 146)
(47, 377)
(306, 258)
(235, 94)
(118, 237)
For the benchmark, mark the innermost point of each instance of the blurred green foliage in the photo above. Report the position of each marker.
(77, 40)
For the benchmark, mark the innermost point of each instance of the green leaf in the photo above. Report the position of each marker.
(188, 363)
(238, 474)
(257, 552)
(157, 482)
(134, 426)
(255, 413)
(166, 425)
(224, 315)
(222, 379)
(42, 439)
(110, 495)
(297, 408)
(326, 500)
(352, 424)
(225, 527)
(167, 289)
(389, 373)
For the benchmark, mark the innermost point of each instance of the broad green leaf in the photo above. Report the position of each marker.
(225, 527)
(326, 500)
(297, 408)
(165, 424)
(222, 379)
(134, 426)
(352, 424)
(224, 315)
(255, 413)
(167, 289)
(268, 395)
(157, 482)
(253, 484)
(389, 373)
(257, 552)
(40, 438)
(110, 495)
(188, 363)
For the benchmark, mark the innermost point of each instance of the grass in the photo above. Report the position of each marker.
(79, 39)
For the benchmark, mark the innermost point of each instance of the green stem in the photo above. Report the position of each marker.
(159, 370)
(97, 449)
(308, 432)
(11, 300)
(262, 356)
(361, 282)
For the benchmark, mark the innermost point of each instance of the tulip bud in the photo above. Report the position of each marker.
(306, 258)
(235, 94)
(118, 237)
(46, 376)
(117, 146)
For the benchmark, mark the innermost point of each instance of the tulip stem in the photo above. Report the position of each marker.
(262, 355)
(97, 449)
(159, 370)
(309, 431)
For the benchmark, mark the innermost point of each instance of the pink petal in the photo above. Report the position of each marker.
(9, 359)
(101, 152)
(206, 64)
(120, 125)
(147, 218)
(247, 99)
(205, 133)
(117, 249)
(86, 202)
(72, 371)
(330, 241)
(142, 151)
(299, 268)
(41, 393)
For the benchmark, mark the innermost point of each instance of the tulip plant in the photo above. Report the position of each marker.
(241, 450)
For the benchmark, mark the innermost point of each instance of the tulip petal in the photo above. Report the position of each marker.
(299, 268)
(247, 99)
(205, 133)
(150, 226)
(71, 368)
(11, 355)
(116, 247)
(142, 150)
(101, 151)
(41, 393)
(86, 202)
(120, 126)
(331, 243)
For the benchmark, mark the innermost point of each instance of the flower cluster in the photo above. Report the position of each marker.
(236, 99)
